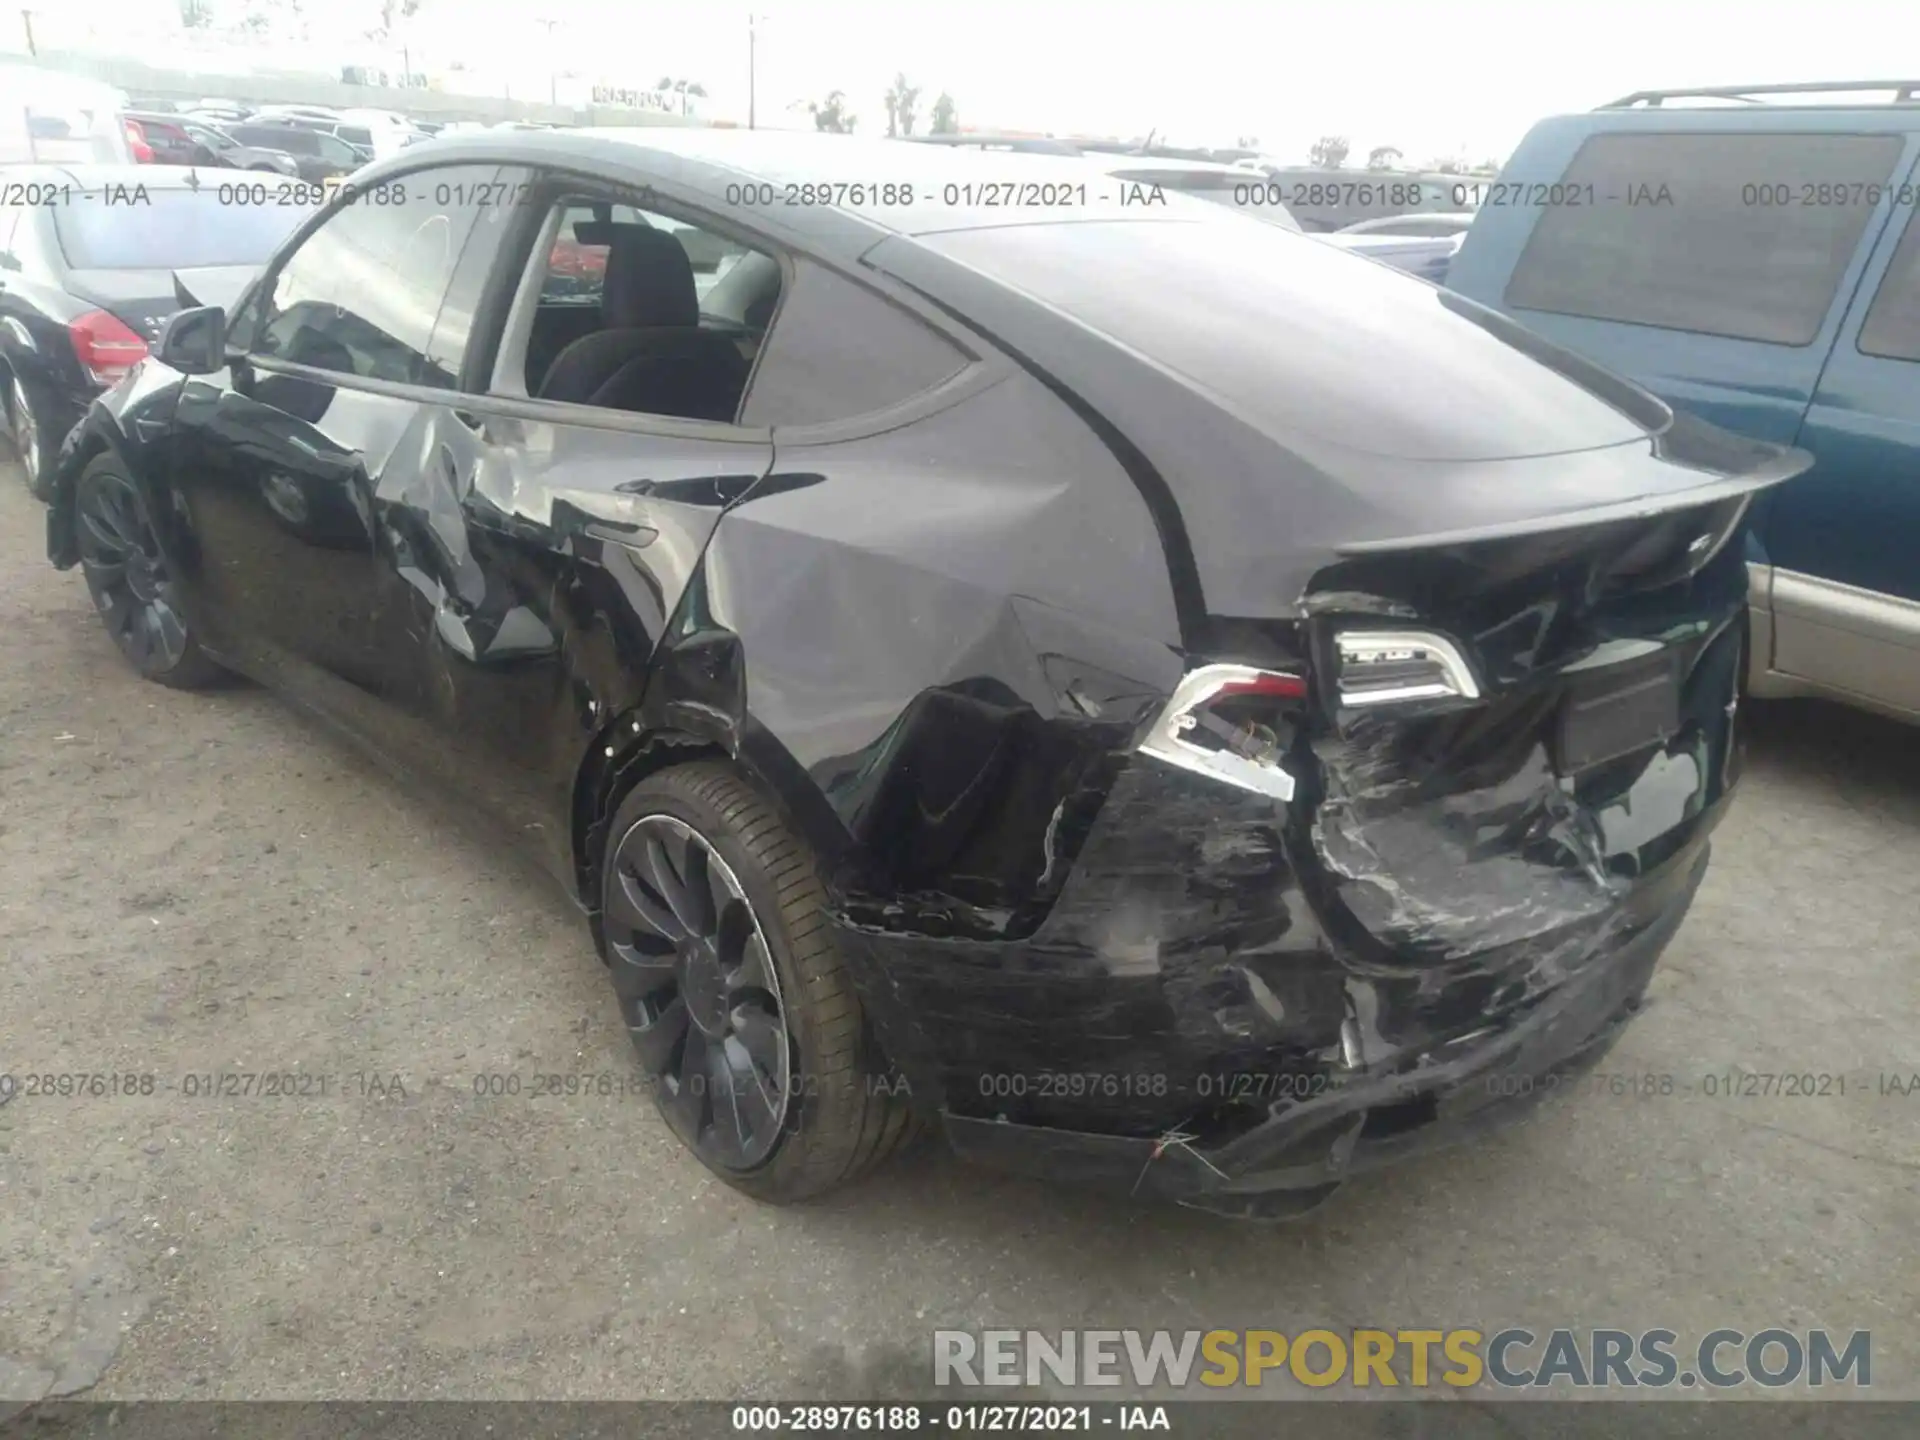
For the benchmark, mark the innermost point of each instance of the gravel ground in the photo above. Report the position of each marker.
(208, 883)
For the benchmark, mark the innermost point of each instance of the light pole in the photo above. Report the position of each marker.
(752, 95)
(553, 79)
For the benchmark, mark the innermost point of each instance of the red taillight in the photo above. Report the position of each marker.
(137, 143)
(106, 347)
(1269, 683)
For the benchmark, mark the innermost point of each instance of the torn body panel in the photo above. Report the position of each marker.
(915, 647)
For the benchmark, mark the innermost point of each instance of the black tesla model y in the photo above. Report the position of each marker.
(1152, 697)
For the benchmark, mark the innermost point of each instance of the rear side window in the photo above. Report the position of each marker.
(577, 267)
(1744, 236)
(1892, 327)
(838, 350)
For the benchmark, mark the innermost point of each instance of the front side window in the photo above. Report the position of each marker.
(1892, 327)
(361, 294)
(336, 151)
(1739, 235)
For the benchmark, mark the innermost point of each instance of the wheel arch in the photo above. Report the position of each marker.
(91, 439)
(693, 709)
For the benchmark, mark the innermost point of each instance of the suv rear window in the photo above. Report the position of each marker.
(1744, 236)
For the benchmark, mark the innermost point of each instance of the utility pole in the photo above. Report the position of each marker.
(751, 88)
(553, 79)
(26, 17)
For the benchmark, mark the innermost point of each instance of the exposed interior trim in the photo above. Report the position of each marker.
(1165, 741)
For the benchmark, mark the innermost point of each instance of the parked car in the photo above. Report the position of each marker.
(168, 141)
(1006, 144)
(178, 140)
(1232, 186)
(137, 144)
(1329, 200)
(974, 646)
(317, 156)
(323, 114)
(358, 136)
(1428, 257)
(1439, 225)
(230, 154)
(88, 256)
(221, 115)
(1759, 265)
(1204, 180)
(54, 118)
(388, 132)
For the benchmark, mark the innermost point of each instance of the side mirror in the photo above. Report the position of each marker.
(194, 342)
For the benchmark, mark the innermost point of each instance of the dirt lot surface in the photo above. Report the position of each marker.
(207, 883)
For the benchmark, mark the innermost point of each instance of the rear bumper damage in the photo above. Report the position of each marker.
(1197, 1035)
(1306, 1148)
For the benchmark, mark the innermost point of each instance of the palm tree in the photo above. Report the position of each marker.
(195, 14)
(1330, 151)
(832, 116)
(683, 88)
(1383, 157)
(902, 97)
(946, 116)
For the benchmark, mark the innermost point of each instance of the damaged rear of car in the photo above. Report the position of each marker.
(1174, 706)
(1462, 620)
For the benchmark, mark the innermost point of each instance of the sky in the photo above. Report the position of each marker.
(1463, 78)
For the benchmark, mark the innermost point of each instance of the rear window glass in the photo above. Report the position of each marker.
(838, 350)
(171, 230)
(1744, 236)
(1892, 326)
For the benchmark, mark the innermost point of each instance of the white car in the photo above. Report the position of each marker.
(1245, 191)
(53, 118)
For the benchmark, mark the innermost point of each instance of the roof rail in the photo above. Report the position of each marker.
(1905, 92)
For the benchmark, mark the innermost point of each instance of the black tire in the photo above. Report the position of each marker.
(843, 1110)
(129, 580)
(28, 435)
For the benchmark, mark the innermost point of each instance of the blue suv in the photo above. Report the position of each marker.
(1754, 259)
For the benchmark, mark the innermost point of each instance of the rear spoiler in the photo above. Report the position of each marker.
(1781, 467)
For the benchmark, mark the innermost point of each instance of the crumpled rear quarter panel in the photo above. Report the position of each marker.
(1216, 960)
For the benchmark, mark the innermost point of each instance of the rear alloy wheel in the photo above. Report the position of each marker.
(24, 427)
(738, 1003)
(131, 585)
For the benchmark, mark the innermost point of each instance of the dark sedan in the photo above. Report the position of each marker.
(318, 155)
(1134, 690)
(88, 256)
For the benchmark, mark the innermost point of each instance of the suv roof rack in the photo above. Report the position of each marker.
(1905, 92)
